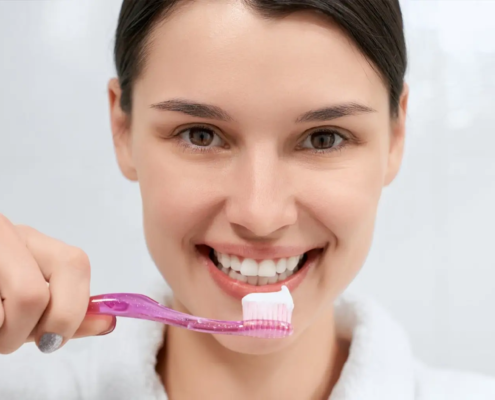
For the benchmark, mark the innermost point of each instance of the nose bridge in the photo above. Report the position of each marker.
(262, 200)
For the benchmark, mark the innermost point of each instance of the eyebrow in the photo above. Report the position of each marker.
(201, 110)
(193, 109)
(334, 112)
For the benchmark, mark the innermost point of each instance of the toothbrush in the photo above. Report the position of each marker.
(265, 315)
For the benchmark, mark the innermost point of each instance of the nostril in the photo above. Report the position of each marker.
(259, 232)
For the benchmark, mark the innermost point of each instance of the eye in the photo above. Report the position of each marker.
(323, 140)
(199, 136)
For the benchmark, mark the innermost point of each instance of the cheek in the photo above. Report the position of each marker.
(172, 198)
(172, 189)
(345, 202)
(178, 200)
(345, 199)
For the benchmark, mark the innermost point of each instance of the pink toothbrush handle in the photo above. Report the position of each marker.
(142, 307)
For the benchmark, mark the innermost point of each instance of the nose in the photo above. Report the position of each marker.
(261, 200)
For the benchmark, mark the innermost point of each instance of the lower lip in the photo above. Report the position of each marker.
(238, 289)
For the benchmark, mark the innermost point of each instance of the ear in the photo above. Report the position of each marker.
(397, 140)
(120, 125)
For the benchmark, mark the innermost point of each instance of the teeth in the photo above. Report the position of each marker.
(238, 276)
(235, 264)
(267, 268)
(281, 265)
(224, 259)
(252, 280)
(263, 281)
(249, 267)
(257, 273)
(292, 263)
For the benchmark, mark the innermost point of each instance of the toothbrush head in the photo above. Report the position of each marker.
(268, 315)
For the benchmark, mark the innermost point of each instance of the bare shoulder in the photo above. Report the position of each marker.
(440, 384)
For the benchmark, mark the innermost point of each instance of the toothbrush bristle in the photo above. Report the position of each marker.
(267, 312)
(267, 329)
(268, 315)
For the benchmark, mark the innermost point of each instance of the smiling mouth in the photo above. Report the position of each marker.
(259, 272)
(239, 276)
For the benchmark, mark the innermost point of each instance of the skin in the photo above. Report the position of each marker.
(29, 307)
(258, 182)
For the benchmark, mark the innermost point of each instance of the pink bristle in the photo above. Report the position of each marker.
(267, 311)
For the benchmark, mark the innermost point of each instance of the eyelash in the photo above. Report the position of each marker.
(340, 147)
(202, 149)
(194, 148)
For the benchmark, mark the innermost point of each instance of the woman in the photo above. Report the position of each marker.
(264, 130)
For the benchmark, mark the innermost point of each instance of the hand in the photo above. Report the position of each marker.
(44, 291)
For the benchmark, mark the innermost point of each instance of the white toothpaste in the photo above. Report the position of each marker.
(271, 306)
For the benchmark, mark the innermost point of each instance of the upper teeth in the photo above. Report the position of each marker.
(263, 268)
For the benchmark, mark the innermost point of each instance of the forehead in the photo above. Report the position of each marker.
(221, 50)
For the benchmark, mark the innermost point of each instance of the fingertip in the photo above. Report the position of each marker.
(96, 325)
(49, 342)
(111, 328)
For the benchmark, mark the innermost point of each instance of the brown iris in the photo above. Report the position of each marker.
(323, 140)
(200, 137)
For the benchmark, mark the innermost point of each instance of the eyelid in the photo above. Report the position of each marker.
(347, 139)
(323, 129)
(330, 129)
(177, 137)
(183, 128)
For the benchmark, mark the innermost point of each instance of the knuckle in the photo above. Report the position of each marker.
(37, 298)
(24, 228)
(78, 260)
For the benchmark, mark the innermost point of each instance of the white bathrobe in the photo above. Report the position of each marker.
(121, 366)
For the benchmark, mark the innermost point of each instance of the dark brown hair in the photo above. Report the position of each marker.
(375, 26)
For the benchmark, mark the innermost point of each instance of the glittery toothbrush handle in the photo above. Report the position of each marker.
(142, 307)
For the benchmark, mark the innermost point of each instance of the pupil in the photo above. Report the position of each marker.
(323, 140)
(200, 137)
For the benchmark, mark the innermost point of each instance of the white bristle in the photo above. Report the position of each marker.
(276, 306)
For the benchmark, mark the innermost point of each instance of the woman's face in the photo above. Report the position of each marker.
(262, 139)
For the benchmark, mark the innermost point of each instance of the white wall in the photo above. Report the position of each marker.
(432, 263)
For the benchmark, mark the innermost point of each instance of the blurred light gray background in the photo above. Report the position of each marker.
(432, 264)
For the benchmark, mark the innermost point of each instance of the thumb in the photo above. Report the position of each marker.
(96, 325)
(92, 325)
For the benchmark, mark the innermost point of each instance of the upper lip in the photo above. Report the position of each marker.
(260, 252)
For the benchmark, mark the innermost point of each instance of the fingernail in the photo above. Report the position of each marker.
(111, 329)
(50, 342)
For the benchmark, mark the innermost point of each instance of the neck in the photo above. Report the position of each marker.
(194, 365)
